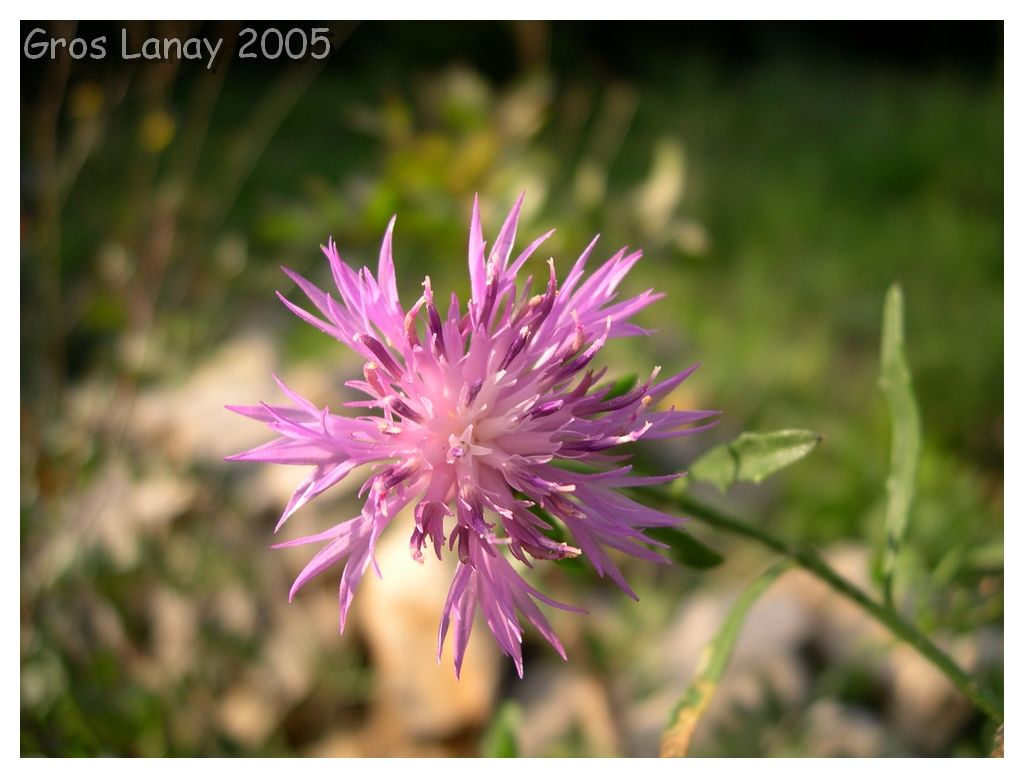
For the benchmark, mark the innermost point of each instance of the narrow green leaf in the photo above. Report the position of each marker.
(500, 740)
(675, 740)
(906, 434)
(618, 387)
(753, 456)
(685, 549)
(988, 557)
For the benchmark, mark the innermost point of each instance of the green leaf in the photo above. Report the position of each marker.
(906, 434)
(500, 739)
(988, 557)
(685, 549)
(675, 740)
(618, 387)
(753, 456)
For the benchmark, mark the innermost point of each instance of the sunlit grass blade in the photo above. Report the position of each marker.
(906, 434)
(753, 456)
(500, 739)
(675, 740)
(997, 746)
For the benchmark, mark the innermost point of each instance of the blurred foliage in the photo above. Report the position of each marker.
(776, 199)
(500, 738)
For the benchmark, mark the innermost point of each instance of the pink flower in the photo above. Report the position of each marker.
(479, 420)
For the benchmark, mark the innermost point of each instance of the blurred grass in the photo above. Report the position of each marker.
(775, 203)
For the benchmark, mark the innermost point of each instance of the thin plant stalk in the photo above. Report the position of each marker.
(811, 560)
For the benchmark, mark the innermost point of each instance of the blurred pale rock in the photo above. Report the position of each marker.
(834, 729)
(102, 515)
(924, 705)
(234, 609)
(398, 614)
(376, 739)
(189, 422)
(284, 674)
(114, 512)
(248, 713)
(558, 701)
(175, 627)
(314, 610)
(337, 745)
(844, 631)
(289, 655)
(925, 708)
(271, 486)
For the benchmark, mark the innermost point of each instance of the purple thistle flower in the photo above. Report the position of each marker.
(474, 417)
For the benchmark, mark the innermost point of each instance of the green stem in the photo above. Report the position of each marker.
(810, 560)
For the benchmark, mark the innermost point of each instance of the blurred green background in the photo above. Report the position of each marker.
(778, 178)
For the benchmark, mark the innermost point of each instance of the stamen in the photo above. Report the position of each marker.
(469, 393)
(402, 409)
(517, 345)
(546, 409)
(384, 357)
(434, 320)
(490, 296)
(411, 335)
(372, 375)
